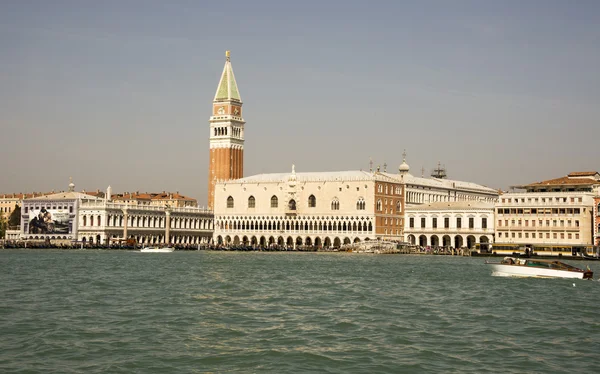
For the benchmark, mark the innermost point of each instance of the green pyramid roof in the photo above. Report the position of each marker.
(227, 89)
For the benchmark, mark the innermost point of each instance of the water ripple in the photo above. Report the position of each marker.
(213, 312)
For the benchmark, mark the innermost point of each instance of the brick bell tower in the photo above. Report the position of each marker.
(226, 159)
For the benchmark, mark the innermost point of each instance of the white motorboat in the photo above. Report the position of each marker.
(527, 267)
(157, 249)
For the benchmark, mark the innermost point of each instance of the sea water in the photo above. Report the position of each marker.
(257, 312)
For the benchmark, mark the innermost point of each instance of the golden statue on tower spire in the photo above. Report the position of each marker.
(227, 54)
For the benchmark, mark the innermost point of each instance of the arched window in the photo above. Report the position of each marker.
(274, 202)
(312, 201)
(360, 204)
(398, 206)
(251, 202)
(84, 220)
(335, 204)
(230, 202)
(378, 204)
(292, 205)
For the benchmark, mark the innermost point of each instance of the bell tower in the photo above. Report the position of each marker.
(226, 159)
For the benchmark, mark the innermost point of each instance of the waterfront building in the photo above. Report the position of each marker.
(95, 218)
(226, 160)
(455, 224)
(549, 213)
(52, 216)
(445, 212)
(171, 199)
(107, 222)
(313, 209)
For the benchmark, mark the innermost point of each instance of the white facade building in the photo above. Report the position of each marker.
(106, 222)
(317, 210)
(450, 224)
(75, 216)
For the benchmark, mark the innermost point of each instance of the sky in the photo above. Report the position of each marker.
(119, 93)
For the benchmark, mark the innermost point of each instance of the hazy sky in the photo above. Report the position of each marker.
(119, 92)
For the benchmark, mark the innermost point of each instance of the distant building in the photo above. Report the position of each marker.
(82, 217)
(171, 199)
(315, 209)
(553, 212)
(450, 224)
(107, 222)
(52, 216)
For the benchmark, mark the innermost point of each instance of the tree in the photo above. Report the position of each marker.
(15, 217)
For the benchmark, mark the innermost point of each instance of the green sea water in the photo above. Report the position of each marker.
(239, 312)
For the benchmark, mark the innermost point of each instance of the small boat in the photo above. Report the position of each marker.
(527, 267)
(157, 249)
(593, 256)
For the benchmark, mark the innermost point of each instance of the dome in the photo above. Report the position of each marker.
(404, 168)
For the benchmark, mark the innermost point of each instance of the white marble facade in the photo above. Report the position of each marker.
(450, 224)
(294, 210)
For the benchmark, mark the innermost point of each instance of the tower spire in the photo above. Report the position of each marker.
(226, 132)
(227, 89)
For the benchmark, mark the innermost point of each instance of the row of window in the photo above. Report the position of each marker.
(391, 221)
(398, 206)
(420, 197)
(5, 210)
(538, 236)
(312, 203)
(158, 222)
(518, 200)
(297, 226)
(540, 223)
(38, 207)
(434, 222)
(539, 211)
(397, 190)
